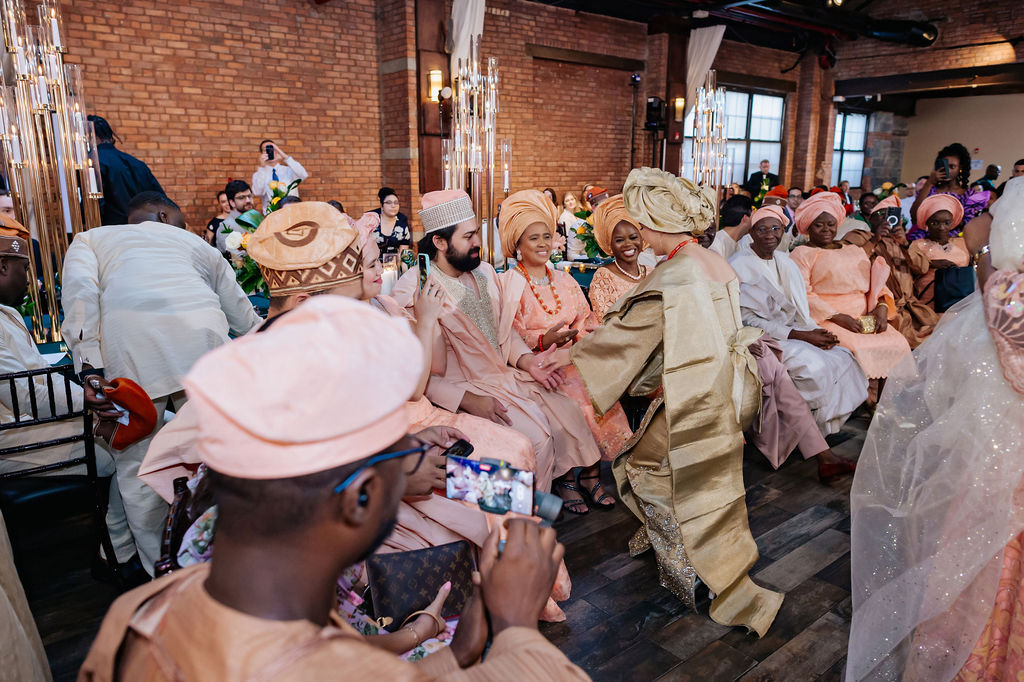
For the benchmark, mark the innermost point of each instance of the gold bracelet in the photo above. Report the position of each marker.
(980, 253)
(415, 636)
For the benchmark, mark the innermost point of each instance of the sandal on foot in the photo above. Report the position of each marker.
(591, 491)
(578, 507)
(833, 470)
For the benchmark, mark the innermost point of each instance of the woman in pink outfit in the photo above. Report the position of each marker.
(551, 310)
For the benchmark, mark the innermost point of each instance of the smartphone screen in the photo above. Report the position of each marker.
(423, 261)
(270, 151)
(495, 487)
(461, 448)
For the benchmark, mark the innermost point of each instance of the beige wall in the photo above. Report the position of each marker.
(992, 124)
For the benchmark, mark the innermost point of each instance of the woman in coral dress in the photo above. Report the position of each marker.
(846, 292)
(939, 213)
(616, 234)
(552, 310)
(938, 500)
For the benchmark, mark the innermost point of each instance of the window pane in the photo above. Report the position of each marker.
(764, 150)
(853, 168)
(766, 117)
(837, 157)
(856, 127)
(736, 151)
(736, 104)
(837, 143)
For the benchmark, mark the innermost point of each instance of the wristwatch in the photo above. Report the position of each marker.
(979, 253)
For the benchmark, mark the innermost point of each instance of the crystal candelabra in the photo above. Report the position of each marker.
(471, 159)
(709, 140)
(49, 148)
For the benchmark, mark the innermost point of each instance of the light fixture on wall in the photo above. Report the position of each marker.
(436, 80)
(679, 108)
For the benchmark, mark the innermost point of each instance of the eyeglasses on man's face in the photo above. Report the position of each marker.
(411, 466)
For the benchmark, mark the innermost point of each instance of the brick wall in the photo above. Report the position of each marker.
(193, 87)
(569, 124)
(962, 23)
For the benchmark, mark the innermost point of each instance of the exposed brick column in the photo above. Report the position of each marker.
(396, 40)
(808, 111)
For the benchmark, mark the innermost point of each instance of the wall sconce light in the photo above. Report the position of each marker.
(435, 78)
(679, 107)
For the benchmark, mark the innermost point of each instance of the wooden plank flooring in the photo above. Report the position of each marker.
(621, 624)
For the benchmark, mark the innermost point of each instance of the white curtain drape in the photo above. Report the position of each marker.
(467, 21)
(700, 55)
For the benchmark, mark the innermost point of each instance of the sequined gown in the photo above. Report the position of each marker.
(679, 336)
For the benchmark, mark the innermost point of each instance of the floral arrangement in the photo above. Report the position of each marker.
(247, 272)
(759, 199)
(887, 189)
(557, 247)
(585, 233)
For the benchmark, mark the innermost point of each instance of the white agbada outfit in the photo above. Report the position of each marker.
(145, 302)
(773, 298)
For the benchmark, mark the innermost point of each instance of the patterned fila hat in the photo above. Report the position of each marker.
(306, 247)
(13, 238)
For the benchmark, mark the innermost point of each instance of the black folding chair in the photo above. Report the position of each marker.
(24, 494)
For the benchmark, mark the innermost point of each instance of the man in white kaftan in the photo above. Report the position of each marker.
(773, 298)
(144, 301)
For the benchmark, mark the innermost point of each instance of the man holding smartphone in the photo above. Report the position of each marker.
(275, 166)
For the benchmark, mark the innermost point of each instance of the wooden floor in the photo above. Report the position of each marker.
(621, 625)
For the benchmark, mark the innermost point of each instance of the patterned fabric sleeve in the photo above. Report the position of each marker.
(603, 293)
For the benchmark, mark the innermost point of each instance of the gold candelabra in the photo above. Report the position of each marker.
(49, 149)
(471, 158)
(709, 139)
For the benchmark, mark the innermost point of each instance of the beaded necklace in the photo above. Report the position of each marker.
(681, 245)
(641, 270)
(536, 294)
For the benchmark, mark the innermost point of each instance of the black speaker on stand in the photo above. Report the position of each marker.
(655, 123)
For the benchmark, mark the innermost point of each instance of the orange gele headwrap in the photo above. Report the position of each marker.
(891, 201)
(822, 202)
(610, 213)
(936, 203)
(518, 212)
(778, 191)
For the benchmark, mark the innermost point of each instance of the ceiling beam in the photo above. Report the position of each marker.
(997, 75)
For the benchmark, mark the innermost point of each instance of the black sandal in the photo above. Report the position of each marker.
(578, 507)
(591, 491)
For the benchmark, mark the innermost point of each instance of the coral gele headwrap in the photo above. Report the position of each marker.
(666, 203)
(607, 215)
(822, 202)
(518, 212)
(891, 201)
(936, 203)
(770, 211)
(322, 389)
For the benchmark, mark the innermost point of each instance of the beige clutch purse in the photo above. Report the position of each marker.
(867, 324)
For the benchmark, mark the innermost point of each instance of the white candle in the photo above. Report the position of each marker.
(93, 187)
(42, 94)
(505, 180)
(389, 278)
(15, 149)
(56, 32)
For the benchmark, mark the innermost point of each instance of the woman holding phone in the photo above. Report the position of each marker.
(950, 175)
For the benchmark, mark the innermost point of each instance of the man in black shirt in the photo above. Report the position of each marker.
(756, 180)
(123, 175)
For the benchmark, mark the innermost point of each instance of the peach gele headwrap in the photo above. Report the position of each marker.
(891, 201)
(334, 394)
(666, 203)
(770, 211)
(822, 202)
(518, 212)
(610, 213)
(936, 203)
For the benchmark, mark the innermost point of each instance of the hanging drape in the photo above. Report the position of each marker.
(467, 21)
(700, 55)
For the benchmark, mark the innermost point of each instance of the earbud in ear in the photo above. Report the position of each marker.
(363, 500)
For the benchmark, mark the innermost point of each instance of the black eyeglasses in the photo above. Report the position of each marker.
(383, 457)
(766, 230)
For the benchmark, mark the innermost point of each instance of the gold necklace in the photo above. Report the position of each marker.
(536, 295)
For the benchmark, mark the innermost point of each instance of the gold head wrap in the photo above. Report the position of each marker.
(518, 212)
(607, 215)
(306, 247)
(666, 203)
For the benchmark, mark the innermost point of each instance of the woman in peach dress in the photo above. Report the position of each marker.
(618, 235)
(938, 501)
(939, 213)
(844, 288)
(552, 310)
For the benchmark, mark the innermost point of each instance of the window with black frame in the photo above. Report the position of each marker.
(753, 126)
(848, 147)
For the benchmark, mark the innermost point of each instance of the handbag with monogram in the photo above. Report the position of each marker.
(402, 583)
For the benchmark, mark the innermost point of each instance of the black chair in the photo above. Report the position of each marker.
(24, 494)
